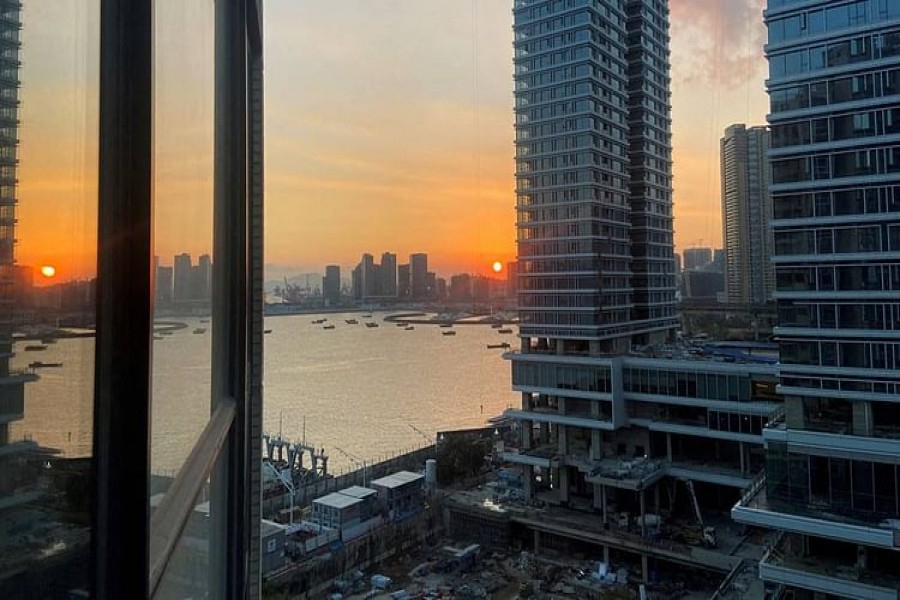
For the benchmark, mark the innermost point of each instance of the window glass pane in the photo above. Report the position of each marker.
(183, 113)
(187, 574)
(48, 228)
(183, 199)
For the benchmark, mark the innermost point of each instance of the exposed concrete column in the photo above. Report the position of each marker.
(527, 403)
(544, 433)
(528, 482)
(537, 541)
(619, 411)
(563, 439)
(669, 447)
(596, 445)
(594, 348)
(563, 484)
(560, 347)
(606, 554)
(643, 513)
(526, 345)
(742, 449)
(645, 569)
(598, 496)
(604, 513)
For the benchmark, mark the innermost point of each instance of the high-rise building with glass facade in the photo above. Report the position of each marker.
(746, 210)
(12, 383)
(831, 484)
(616, 422)
(593, 161)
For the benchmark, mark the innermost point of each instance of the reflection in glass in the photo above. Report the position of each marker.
(182, 204)
(47, 264)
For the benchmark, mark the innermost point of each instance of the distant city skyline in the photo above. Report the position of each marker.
(428, 159)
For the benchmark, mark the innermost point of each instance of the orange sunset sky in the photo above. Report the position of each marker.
(388, 127)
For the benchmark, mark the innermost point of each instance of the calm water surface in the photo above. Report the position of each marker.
(359, 389)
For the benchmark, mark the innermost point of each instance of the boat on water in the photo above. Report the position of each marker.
(503, 345)
(158, 337)
(409, 328)
(48, 340)
(496, 326)
(369, 316)
(400, 324)
(165, 333)
(504, 331)
(448, 333)
(370, 324)
(42, 365)
(328, 327)
(35, 347)
(267, 331)
(351, 321)
(204, 320)
(446, 325)
(199, 330)
(319, 321)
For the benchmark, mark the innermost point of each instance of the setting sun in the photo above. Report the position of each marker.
(497, 266)
(48, 271)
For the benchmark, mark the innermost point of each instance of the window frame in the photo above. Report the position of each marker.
(125, 564)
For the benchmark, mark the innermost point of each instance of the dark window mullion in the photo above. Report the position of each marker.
(124, 302)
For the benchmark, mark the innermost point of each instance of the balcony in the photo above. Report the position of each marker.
(544, 456)
(756, 509)
(689, 427)
(879, 448)
(636, 474)
(824, 575)
(557, 419)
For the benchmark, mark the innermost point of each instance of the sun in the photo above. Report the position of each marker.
(497, 266)
(48, 271)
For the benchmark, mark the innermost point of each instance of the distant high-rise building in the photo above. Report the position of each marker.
(331, 285)
(182, 278)
(678, 268)
(404, 289)
(202, 278)
(718, 261)
(512, 274)
(389, 275)
(365, 278)
(441, 291)
(164, 283)
(430, 285)
(461, 288)
(418, 265)
(701, 284)
(481, 288)
(695, 258)
(832, 478)
(746, 209)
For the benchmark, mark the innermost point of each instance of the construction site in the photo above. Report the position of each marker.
(649, 534)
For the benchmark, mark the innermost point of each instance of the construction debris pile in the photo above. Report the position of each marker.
(470, 573)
